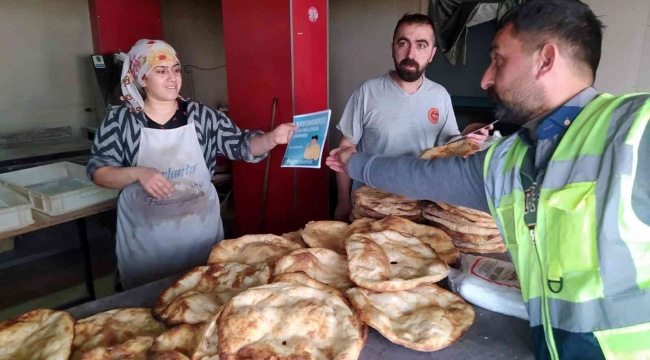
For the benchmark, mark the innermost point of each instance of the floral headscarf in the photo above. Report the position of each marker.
(144, 56)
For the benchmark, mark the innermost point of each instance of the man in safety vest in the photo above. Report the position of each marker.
(570, 192)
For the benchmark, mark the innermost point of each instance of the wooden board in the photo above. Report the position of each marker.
(42, 221)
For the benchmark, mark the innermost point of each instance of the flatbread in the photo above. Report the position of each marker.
(471, 239)
(362, 225)
(296, 237)
(252, 249)
(392, 261)
(383, 206)
(434, 237)
(354, 215)
(363, 211)
(426, 318)
(478, 244)
(471, 214)
(463, 228)
(405, 226)
(368, 193)
(179, 340)
(459, 148)
(287, 321)
(396, 210)
(199, 294)
(300, 278)
(453, 215)
(168, 355)
(192, 342)
(324, 265)
(114, 327)
(39, 334)
(391, 209)
(444, 248)
(470, 211)
(134, 349)
(326, 234)
(481, 249)
(208, 348)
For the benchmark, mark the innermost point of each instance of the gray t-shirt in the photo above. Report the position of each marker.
(382, 119)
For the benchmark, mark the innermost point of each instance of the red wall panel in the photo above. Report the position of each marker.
(258, 59)
(258, 45)
(310, 86)
(118, 24)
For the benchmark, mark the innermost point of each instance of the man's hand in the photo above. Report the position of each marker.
(155, 183)
(480, 136)
(339, 158)
(282, 134)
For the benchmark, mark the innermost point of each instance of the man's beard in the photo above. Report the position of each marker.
(409, 75)
(522, 108)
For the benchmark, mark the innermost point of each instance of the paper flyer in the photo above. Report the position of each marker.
(305, 149)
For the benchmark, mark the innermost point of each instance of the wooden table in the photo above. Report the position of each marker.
(43, 221)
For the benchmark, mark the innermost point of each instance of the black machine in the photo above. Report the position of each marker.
(107, 70)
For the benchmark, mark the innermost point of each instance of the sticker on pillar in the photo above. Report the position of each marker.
(313, 14)
(98, 61)
(305, 149)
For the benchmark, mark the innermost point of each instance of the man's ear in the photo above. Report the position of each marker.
(432, 54)
(546, 59)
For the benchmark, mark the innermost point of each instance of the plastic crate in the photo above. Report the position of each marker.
(15, 211)
(7, 244)
(58, 188)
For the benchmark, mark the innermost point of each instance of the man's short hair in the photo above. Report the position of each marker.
(570, 22)
(415, 19)
(314, 137)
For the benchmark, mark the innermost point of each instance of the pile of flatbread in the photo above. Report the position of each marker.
(373, 203)
(471, 231)
(307, 294)
(377, 204)
(395, 264)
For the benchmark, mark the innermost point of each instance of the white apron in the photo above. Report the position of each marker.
(156, 238)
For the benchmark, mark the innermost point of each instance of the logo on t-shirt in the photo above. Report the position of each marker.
(434, 114)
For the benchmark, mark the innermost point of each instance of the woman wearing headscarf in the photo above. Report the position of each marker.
(161, 150)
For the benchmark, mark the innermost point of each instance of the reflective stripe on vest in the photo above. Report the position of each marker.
(588, 269)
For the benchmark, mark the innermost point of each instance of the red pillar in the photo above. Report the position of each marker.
(274, 50)
(118, 24)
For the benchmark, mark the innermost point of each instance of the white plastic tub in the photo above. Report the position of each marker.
(15, 211)
(58, 188)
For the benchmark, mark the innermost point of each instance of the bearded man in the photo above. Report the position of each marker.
(569, 191)
(401, 112)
